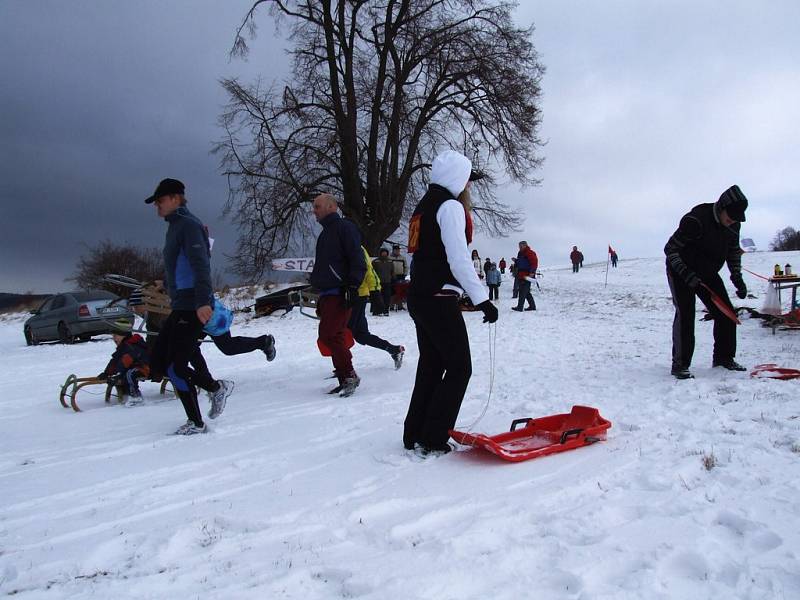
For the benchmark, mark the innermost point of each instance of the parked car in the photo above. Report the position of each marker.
(76, 315)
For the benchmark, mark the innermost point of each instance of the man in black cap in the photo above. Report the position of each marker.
(707, 237)
(187, 266)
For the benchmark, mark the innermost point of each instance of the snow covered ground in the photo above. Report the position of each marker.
(297, 494)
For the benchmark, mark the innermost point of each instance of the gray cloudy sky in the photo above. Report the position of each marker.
(649, 108)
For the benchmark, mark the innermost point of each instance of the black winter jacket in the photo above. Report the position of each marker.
(187, 262)
(339, 261)
(701, 245)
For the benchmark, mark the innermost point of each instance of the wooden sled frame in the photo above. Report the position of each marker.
(73, 384)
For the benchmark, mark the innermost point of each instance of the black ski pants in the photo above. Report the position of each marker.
(175, 347)
(443, 370)
(494, 291)
(683, 297)
(357, 324)
(231, 346)
(525, 294)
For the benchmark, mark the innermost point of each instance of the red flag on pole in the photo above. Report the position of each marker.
(610, 249)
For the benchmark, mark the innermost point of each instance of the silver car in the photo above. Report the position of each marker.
(76, 315)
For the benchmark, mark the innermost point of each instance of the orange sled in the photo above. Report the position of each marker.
(542, 436)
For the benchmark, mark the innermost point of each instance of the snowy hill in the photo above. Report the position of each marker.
(297, 494)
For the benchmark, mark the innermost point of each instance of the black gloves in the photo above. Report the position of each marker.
(350, 295)
(741, 288)
(489, 311)
(693, 281)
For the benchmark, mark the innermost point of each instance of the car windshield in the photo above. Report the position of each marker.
(93, 295)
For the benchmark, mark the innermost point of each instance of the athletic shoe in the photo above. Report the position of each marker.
(219, 398)
(132, 401)
(189, 428)
(516, 309)
(336, 390)
(731, 365)
(681, 373)
(349, 385)
(397, 357)
(269, 348)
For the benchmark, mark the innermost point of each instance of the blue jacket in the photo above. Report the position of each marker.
(339, 261)
(493, 277)
(187, 262)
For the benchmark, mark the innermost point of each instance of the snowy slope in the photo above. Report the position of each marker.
(297, 494)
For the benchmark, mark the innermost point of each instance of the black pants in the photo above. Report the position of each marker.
(525, 294)
(443, 370)
(575, 267)
(683, 297)
(494, 291)
(231, 346)
(175, 347)
(357, 324)
(386, 290)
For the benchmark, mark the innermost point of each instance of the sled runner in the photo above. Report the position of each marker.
(285, 300)
(532, 438)
(73, 384)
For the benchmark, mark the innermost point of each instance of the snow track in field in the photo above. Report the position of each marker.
(298, 494)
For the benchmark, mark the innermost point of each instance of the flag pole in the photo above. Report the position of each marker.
(608, 260)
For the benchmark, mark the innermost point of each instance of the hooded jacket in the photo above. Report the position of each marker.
(438, 234)
(702, 244)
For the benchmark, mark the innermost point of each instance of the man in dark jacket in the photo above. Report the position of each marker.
(339, 268)
(384, 269)
(527, 263)
(707, 238)
(187, 265)
(576, 257)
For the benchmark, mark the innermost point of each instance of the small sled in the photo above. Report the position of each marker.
(542, 436)
(69, 390)
(773, 371)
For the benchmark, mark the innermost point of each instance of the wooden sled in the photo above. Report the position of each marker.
(540, 437)
(71, 387)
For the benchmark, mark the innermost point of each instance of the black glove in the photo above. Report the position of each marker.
(103, 376)
(694, 282)
(741, 288)
(350, 295)
(489, 311)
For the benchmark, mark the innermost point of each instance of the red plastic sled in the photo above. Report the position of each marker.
(773, 371)
(721, 305)
(542, 436)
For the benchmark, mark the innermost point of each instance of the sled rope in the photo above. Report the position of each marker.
(756, 274)
(492, 362)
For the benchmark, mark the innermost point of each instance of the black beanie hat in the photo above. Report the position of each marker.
(166, 187)
(733, 201)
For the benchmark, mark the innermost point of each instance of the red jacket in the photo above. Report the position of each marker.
(524, 270)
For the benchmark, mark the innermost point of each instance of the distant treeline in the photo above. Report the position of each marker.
(786, 239)
(18, 302)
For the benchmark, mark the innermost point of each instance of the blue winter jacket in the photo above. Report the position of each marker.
(187, 262)
(493, 277)
(339, 261)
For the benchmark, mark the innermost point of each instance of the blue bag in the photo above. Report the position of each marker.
(220, 321)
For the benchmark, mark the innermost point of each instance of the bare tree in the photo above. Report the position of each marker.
(377, 89)
(786, 239)
(143, 264)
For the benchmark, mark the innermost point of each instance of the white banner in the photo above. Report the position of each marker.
(303, 265)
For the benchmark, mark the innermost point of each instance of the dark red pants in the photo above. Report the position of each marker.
(333, 317)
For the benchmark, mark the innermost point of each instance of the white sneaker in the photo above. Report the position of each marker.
(132, 401)
(189, 428)
(219, 398)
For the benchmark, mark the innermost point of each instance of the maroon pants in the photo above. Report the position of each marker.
(333, 317)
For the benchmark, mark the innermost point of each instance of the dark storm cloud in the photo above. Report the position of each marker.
(100, 101)
(649, 108)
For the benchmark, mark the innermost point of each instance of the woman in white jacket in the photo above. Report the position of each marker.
(441, 270)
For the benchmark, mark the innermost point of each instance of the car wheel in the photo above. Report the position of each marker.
(64, 335)
(85, 338)
(29, 339)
